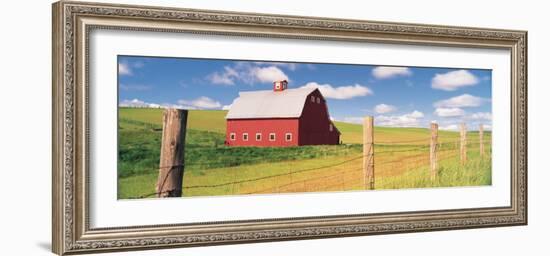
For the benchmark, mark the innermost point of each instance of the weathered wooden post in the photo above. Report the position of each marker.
(433, 151)
(368, 152)
(481, 149)
(463, 144)
(170, 179)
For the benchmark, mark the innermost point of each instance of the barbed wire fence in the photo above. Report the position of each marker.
(388, 158)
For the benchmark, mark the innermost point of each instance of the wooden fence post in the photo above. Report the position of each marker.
(368, 152)
(463, 144)
(170, 179)
(433, 151)
(481, 149)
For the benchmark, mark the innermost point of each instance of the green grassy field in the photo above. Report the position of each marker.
(401, 159)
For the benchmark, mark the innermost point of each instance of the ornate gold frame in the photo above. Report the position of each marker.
(72, 22)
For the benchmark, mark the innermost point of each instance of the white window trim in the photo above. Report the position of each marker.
(318, 100)
(245, 134)
(286, 136)
(274, 137)
(312, 98)
(260, 139)
(330, 127)
(232, 136)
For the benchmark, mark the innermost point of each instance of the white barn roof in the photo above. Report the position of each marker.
(269, 104)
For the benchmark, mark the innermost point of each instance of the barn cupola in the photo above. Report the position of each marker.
(279, 86)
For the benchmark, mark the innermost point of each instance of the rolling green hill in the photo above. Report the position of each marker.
(203, 120)
(353, 133)
(214, 121)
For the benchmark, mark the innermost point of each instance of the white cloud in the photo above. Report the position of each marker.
(472, 124)
(449, 112)
(198, 103)
(481, 116)
(202, 102)
(222, 79)
(127, 68)
(226, 77)
(133, 103)
(124, 69)
(384, 108)
(287, 65)
(412, 119)
(136, 103)
(464, 100)
(389, 72)
(453, 80)
(227, 107)
(416, 114)
(340, 92)
(248, 73)
(268, 74)
(134, 87)
(406, 120)
(353, 119)
(469, 126)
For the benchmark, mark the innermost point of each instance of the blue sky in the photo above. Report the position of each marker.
(395, 96)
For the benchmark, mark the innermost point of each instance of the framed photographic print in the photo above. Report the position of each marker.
(179, 127)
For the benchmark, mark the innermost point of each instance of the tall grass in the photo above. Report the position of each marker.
(476, 172)
(139, 152)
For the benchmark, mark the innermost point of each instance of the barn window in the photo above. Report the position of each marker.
(258, 137)
(312, 98)
(288, 136)
(232, 136)
(245, 136)
(318, 100)
(272, 136)
(330, 128)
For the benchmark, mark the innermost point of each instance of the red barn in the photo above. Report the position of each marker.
(280, 117)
